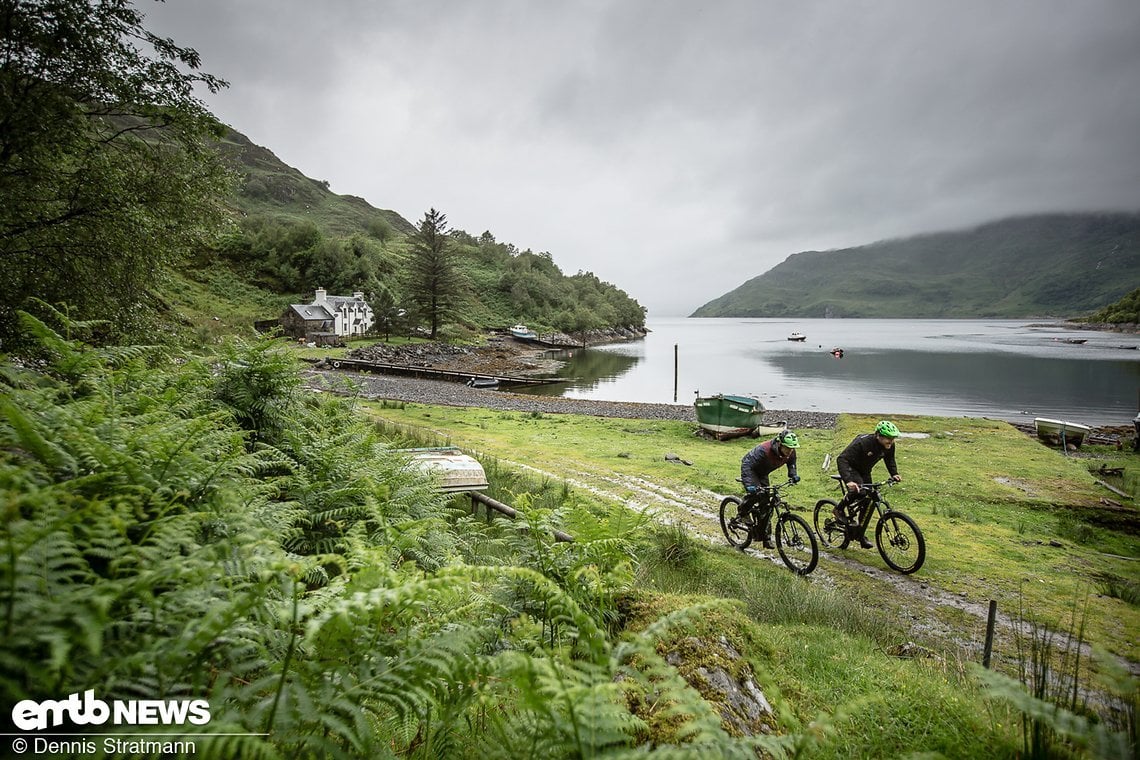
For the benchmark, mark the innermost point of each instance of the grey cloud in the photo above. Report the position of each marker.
(633, 139)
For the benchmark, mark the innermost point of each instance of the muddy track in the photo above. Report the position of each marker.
(698, 510)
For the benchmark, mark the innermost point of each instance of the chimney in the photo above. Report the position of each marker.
(319, 296)
(358, 295)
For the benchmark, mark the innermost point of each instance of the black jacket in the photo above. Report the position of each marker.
(861, 455)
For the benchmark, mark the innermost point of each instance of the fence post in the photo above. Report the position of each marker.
(989, 635)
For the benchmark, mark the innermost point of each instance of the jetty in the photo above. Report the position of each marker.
(430, 373)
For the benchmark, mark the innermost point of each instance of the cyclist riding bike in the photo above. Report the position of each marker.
(855, 465)
(754, 469)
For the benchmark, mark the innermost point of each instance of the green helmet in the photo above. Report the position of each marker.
(789, 439)
(887, 429)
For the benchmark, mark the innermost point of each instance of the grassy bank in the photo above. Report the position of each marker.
(1005, 518)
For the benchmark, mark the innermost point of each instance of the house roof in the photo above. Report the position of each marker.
(327, 310)
(310, 311)
(337, 301)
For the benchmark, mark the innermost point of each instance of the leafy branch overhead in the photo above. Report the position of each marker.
(106, 166)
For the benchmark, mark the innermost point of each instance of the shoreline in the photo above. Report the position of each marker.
(504, 356)
(379, 387)
(443, 393)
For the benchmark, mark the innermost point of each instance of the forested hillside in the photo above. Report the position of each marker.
(293, 234)
(1058, 265)
(1124, 311)
(126, 202)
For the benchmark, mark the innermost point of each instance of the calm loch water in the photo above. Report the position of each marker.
(980, 368)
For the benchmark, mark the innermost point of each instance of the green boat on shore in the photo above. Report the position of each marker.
(724, 416)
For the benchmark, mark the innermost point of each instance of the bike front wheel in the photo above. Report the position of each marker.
(796, 544)
(737, 530)
(900, 542)
(832, 535)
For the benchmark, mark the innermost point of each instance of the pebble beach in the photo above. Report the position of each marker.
(440, 392)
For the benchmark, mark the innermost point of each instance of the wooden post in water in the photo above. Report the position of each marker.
(989, 635)
(674, 373)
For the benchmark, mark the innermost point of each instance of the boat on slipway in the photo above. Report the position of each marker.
(1061, 432)
(522, 332)
(725, 416)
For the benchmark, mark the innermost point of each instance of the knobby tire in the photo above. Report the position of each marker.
(833, 537)
(900, 542)
(796, 544)
(739, 537)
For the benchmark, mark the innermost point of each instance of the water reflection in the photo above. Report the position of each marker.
(991, 383)
(584, 369)
(993, 368)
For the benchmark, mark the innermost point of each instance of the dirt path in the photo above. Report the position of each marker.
(698, 510)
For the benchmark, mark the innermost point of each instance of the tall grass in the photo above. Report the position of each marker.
(1059, 717)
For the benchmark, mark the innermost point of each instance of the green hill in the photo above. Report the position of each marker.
(1059, 265)
(269, 187)
(292, 234)
(1124, 311)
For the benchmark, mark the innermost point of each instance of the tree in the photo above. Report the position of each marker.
(106, 167)
(435, 283)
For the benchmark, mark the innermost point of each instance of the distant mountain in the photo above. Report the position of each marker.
(1058, 265)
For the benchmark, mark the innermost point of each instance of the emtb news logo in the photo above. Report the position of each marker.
(30, 715)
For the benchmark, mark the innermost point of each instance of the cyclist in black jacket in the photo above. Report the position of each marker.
(855, 465)
(754, 468)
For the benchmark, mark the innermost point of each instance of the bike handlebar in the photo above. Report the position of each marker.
(877, 486)
(776, 488)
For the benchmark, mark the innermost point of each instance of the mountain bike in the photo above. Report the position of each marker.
(897, 536)
(794, 538)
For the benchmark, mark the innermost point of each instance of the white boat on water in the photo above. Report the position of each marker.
(1061, 432)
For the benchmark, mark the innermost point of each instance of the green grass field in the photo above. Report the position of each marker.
(863, 662)
(1005, 518)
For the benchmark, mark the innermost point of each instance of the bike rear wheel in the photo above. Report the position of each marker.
(796, 544)
(832, 535)
(900, 542)
(737, 531)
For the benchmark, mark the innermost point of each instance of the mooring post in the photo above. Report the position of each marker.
(989, 635)
(674, 373)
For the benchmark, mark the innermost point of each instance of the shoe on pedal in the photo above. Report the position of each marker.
(864, 543)
(769, 543)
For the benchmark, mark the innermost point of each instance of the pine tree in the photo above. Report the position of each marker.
(435, 283)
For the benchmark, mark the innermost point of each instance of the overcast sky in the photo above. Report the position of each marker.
(678, 148)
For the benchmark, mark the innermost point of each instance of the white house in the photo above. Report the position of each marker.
(340, 315)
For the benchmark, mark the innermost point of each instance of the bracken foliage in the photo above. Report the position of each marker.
(179, 527)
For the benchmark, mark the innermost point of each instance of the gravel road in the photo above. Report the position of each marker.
(415, 390)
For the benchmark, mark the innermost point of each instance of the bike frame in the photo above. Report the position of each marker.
(870, 504)
(776, 504)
